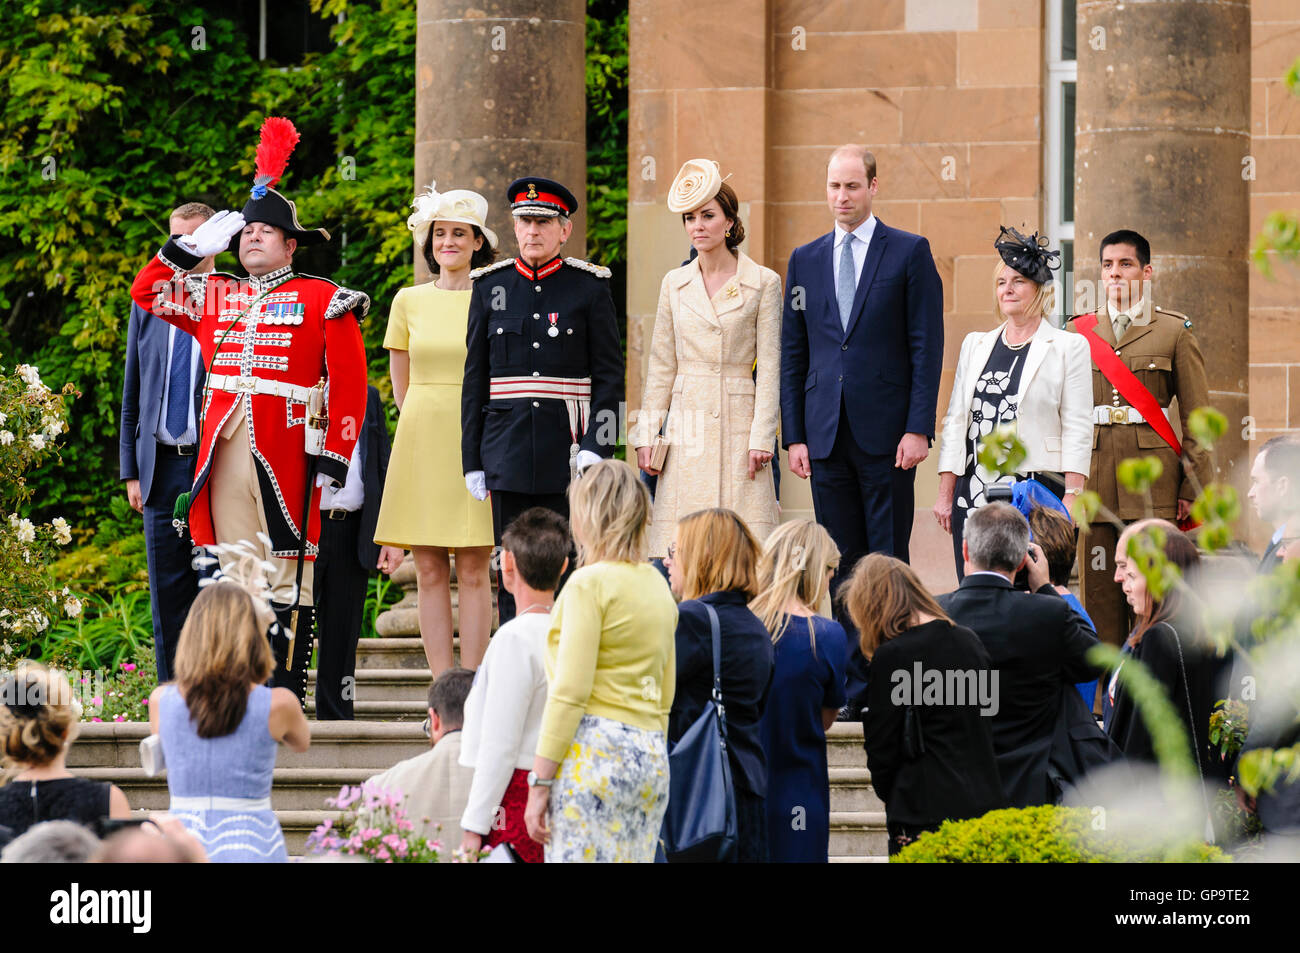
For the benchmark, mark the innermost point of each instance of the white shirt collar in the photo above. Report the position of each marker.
(1277, 535)
(863, 232)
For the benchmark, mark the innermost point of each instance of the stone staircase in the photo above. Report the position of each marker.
(392, 682)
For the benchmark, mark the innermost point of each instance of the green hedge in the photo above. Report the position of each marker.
(1041, 835)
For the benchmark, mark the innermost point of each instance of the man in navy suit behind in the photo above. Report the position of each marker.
(161, 396)
(861, 348)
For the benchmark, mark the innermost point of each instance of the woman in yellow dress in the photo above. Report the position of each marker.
(426, 507)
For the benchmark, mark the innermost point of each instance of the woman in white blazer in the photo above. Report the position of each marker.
(1025, 373)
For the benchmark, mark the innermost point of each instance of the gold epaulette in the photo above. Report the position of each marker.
(600, 271)
(488, 269)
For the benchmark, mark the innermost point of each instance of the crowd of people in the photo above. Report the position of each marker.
(553, 739)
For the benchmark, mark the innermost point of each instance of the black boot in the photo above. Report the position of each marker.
(292, 677)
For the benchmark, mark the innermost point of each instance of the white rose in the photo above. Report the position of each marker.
(62, 535)
(3, 418)
(30, 374)
(72, 607)
(26, 531)
(6, 437)
(37, 441)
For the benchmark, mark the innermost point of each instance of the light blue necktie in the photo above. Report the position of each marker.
(845, 285)
(178, 387)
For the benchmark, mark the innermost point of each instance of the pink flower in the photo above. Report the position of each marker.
(128, 666)
(346, 798)
(119, 717)
(145, 702)
(83, 681)
(383, 854)
(96, 702)
(97, 719)
(369, 833)
(392, 840)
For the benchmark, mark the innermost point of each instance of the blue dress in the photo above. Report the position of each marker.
(806, 678)
(221, 787)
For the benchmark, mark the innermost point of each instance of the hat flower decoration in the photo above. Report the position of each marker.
(457, 205)
(697, 181)
(1029, 256)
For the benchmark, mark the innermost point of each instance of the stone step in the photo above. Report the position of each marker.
(383, 711)
(851, 791)
(294, 789)
(360, 745)
(401, 652)
(296, 825)
(844, 745)
(858, 834)
(385, 684)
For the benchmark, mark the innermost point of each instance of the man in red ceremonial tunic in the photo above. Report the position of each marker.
(267, 340)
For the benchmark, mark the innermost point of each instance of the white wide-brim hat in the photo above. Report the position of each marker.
(458, 205)
(698, 181)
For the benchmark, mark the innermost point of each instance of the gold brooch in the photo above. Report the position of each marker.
(732, 291)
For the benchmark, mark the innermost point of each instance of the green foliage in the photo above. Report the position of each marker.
(607, 169)
(1042, 835)
(1137, 474)
(1216, 508)
(1228, 726)
(381, 596)
(1087, 507)
(1001, 450)
(1207, 425)
(111, 631)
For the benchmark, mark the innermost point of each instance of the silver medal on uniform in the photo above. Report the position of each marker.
(553, 317)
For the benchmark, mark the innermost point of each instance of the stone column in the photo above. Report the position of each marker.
(501, 93)
(1163, 142)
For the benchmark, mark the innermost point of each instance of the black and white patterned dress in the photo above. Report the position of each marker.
(995, 402)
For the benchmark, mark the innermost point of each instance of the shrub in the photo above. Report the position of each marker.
(1041, 835)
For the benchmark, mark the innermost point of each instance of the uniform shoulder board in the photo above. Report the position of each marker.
(488, 269)
(1187, 322)
(344, 300)
(600, 271)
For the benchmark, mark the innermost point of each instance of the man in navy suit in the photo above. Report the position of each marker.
(861, 348)
(161, 396)
(348, 555)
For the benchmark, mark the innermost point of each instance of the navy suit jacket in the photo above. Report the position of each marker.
(142, 395)
(885, 366)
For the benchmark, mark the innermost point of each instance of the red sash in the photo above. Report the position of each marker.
(1124, 381)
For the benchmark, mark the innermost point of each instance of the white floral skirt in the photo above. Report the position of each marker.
(609, 798)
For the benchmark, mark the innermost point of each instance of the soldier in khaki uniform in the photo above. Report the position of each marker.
(1158, 346)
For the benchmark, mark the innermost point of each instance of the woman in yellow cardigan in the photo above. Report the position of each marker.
(599, 785)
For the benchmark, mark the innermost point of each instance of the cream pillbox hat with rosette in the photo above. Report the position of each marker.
(458, 205)
(698, 181)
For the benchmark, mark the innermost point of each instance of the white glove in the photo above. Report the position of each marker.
(214, 235)
(586, 458)
(476, 483)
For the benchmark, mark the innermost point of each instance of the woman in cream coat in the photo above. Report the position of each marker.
(715, 363)
(1024, 373)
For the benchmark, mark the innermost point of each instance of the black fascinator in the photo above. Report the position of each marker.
(1029, 256)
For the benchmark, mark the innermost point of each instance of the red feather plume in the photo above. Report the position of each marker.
(277, 141)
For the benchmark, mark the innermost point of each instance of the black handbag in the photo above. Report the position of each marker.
(700, 825)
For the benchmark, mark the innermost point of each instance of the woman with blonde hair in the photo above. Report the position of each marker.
(599, 785)
(713, 382)
(426, 349)
(1026, 374)
(811, 653)
(220, 725)
(713, 562)
(38, 721)
(930, 756)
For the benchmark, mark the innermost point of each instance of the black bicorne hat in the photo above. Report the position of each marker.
(266, 205)
(1029, 256)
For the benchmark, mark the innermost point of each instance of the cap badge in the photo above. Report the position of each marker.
(532, 191)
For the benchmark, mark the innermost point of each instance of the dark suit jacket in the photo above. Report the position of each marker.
(1193, 677)
(1037, 644)
(950, 771)
(143, 386)
(747, 660)
(373, 459)
(885, 367)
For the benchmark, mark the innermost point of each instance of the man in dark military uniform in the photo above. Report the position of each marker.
(544, 367)
(1158, 347)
